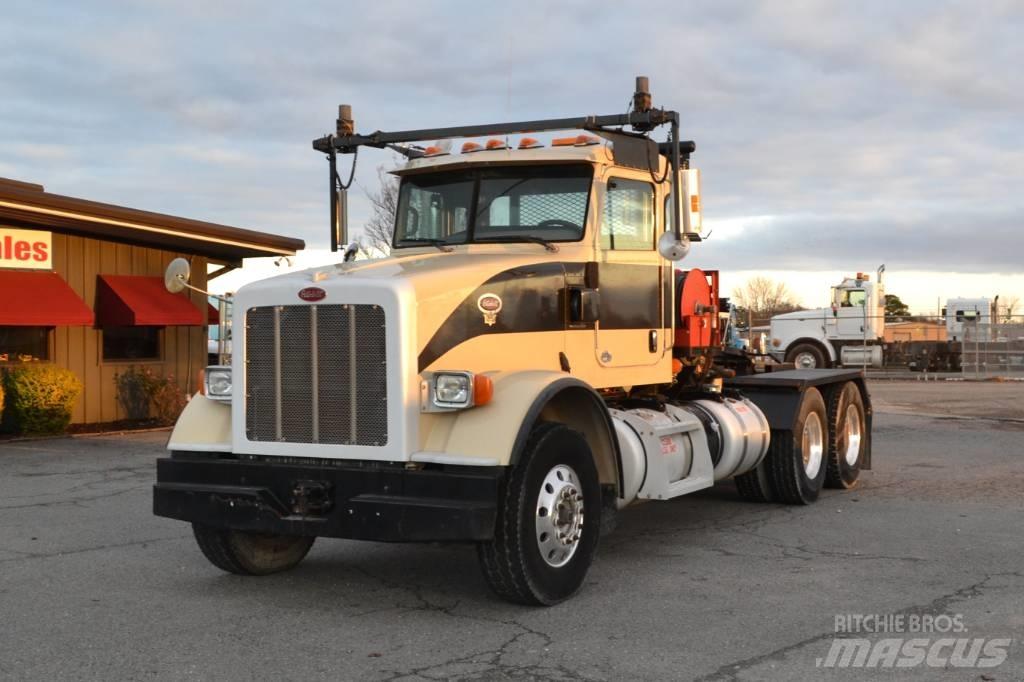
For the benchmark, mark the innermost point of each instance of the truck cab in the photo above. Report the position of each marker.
(974, 314)
(816, 338)
(526, 363)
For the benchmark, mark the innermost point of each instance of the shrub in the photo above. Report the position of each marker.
(134, 386)
(167, 400)
(143, 393)
(40, 398)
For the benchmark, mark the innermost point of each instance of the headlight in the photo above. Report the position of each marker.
(218, 382)
(454, 390)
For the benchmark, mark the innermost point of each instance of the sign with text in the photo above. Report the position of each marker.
(26, 249)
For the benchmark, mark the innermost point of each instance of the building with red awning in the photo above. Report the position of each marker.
(81, 286)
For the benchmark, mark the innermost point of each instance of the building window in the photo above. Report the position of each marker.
(131, 343)
(628, 216)
(24, 344)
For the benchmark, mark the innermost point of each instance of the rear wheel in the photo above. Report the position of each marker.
(796, 459)
(244, 553)
(549, 520)
(847, 440)
(806, 356)
(756, 485)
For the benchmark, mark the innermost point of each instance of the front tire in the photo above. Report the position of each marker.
(807, 356)
(796, 458)
(847, 436)
(244, 553)
(549, 520)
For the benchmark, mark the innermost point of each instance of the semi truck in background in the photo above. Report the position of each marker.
(851, 331)
(526, 364)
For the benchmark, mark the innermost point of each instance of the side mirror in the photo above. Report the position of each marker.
(176, 275)
(672, 249)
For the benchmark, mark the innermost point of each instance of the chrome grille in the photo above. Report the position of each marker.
(316, 374)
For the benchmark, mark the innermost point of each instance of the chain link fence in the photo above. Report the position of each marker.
(994, 351)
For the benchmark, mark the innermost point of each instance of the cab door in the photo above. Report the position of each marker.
(630, 329)
(851, 315)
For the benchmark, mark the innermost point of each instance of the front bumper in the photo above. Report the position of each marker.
(359, 500)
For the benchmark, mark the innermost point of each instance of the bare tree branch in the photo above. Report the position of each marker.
(379, 228)
(1010, 304)
(763, 297)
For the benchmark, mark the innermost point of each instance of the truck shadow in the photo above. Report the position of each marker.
(366, 577)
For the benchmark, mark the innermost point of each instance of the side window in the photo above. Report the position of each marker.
(24, 344)
(628, 216)
(131, 343)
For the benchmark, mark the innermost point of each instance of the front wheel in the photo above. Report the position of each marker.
(244, 553)
(549, 520)
(807, 356)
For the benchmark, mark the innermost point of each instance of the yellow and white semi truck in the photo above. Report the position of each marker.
(525, 364)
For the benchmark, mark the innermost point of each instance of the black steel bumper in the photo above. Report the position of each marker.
(360, 500)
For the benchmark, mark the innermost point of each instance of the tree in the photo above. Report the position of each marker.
(763, 297)
(894, 307)
(1010, 304)
(378, 230)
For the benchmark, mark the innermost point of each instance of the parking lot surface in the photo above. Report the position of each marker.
(93, 586)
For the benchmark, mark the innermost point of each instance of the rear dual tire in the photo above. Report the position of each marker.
(847, 436)
(825, 448)
(793, 471)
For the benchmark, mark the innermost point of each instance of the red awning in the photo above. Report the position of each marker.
(212, 315)
(137, 301)
(40, 299)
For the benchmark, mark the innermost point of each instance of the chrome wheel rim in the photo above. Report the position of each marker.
(559, 515)
(805, 360)
(853, 436)
(812, 445)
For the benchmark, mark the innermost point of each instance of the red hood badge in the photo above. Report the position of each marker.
(312, 294)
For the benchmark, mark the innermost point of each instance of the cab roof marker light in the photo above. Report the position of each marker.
(470, 147)
(496, 144)
(586, 140)
(529, 143)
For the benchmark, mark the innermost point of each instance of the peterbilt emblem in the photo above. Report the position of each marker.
(312, 294)
(490, 306)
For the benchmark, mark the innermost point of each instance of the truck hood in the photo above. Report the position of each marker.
(801, 314)
(440, 282)
(433, 274)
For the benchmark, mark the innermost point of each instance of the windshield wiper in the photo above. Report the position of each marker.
(441, 244)
(520, 238)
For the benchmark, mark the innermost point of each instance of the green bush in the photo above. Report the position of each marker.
(143, 393)
(40, 398)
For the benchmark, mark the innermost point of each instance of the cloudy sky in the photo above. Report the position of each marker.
(831, 136)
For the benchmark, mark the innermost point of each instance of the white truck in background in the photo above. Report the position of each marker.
(851, 331)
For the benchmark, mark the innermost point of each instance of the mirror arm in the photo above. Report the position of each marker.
(201, 291)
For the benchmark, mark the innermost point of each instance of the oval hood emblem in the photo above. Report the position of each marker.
(312, 294)
(490, 305)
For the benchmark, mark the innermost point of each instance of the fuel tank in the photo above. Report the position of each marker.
(687, 445)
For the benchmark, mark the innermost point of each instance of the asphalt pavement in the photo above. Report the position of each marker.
(93, 586)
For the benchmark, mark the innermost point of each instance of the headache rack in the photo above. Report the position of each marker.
(633, 149)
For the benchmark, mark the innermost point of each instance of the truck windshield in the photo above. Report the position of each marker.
(496, 204)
